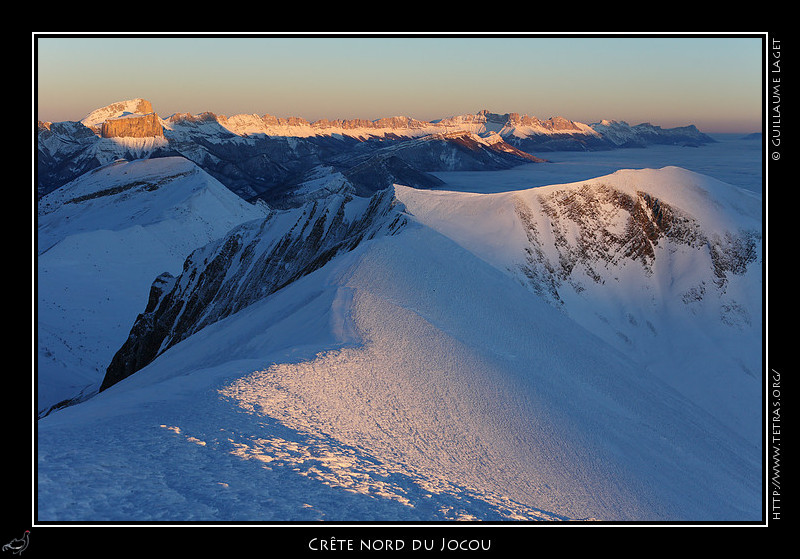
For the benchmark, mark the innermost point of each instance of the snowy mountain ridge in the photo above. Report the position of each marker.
(661, 264)
(619, 254)
(251, 262)
(405, 368)
(100, 242)
(255, 155)
(481, 123)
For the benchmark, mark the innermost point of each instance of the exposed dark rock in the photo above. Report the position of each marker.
(597, 227)
(251, 262)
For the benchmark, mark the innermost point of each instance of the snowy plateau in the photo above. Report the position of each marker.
(573, 335)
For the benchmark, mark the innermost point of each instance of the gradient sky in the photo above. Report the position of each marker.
(713, 82)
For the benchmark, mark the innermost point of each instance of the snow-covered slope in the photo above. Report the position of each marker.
(665, 265)
(251, 262)
(100, 242)
(372, 389)
(441, 371)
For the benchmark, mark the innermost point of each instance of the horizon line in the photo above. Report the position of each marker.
(588, 122)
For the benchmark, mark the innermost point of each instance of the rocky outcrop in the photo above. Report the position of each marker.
(133, 126)
(193, 119)
(596, 228)
(251, 262)
(390, 123)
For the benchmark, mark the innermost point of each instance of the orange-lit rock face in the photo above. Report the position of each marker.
(133, 126)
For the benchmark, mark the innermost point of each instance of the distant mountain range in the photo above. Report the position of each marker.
(279, 160)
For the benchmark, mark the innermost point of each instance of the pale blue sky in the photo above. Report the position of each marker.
(713, 82)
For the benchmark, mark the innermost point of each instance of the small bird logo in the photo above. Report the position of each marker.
(18, 545)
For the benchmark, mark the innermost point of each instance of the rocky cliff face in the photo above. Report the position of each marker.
(597, 229)
(251, 262)
(553, 124)
(133, 126)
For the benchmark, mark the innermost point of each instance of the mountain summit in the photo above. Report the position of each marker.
(117, 110)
